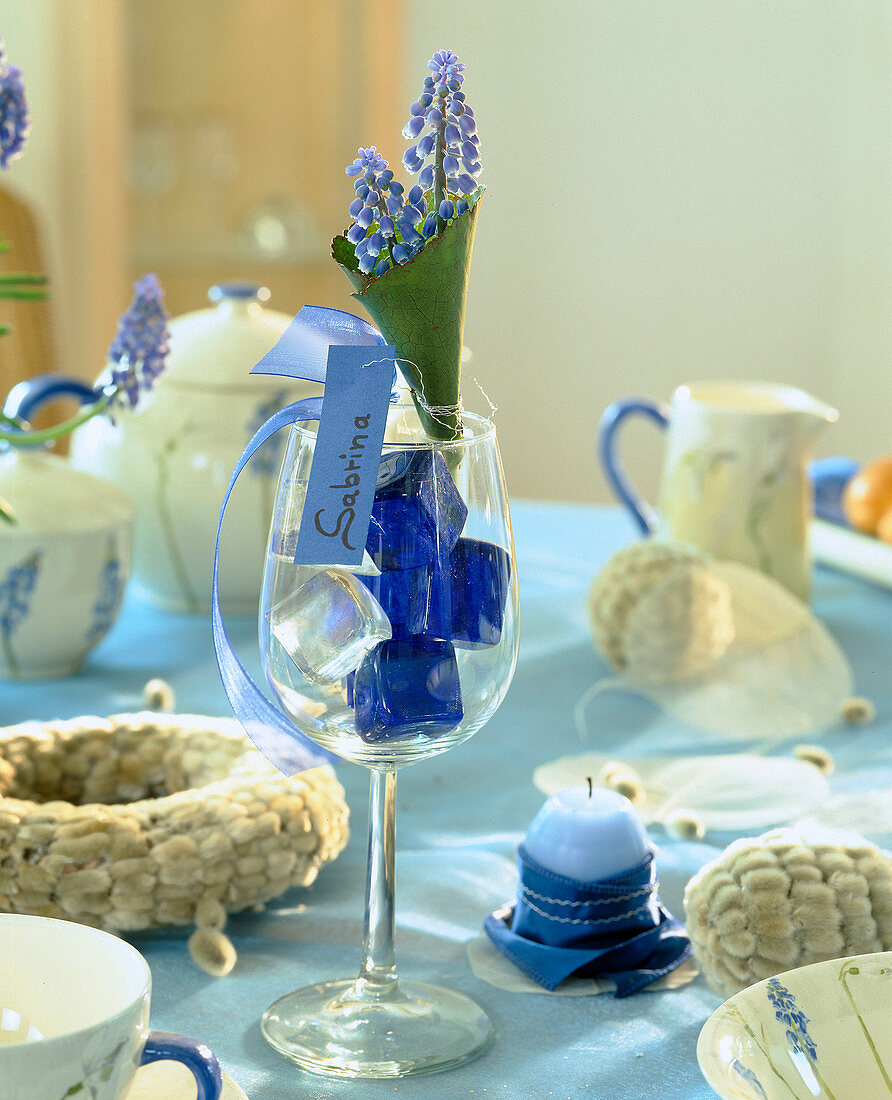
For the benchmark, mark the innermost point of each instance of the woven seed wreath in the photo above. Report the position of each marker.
(143, 821)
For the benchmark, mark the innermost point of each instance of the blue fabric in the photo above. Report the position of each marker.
(615, 928)
(460, 819)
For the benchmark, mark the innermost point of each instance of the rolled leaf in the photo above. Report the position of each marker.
(420, 308)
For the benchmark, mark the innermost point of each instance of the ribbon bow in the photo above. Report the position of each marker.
(301, 352)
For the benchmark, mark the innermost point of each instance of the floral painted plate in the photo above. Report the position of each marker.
(822, 1031)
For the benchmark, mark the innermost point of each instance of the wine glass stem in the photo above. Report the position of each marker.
(377, 975)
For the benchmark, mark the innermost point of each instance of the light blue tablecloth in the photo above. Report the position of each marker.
(460, 817)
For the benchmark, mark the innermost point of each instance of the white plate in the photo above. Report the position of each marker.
(842, 548)
(172, 1081)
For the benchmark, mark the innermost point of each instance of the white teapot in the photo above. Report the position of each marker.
(175, 451)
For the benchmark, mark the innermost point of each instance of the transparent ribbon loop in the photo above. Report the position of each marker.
(300, 353)
(278, 740)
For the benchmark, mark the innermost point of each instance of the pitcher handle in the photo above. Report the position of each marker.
(25, 398)
(196, 1056)
(614, 414)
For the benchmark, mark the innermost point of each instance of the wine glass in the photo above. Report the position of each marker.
(386, 664)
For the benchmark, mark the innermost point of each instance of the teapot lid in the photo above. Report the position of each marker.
(217, 346)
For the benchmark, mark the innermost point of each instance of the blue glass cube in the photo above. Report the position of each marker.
(418, 512)
(406, 687)
(394, 592)
(400, 536)
(463, 596)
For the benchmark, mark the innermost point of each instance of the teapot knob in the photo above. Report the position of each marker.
(238, 289)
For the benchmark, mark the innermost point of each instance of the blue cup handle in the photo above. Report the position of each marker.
(199, 1058)
(614, 415)
(25, 398)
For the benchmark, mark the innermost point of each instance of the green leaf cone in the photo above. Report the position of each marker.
(420, 309)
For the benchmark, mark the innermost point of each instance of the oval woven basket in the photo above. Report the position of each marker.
(135, 821)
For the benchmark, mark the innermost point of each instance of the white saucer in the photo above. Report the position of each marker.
(172, 1081)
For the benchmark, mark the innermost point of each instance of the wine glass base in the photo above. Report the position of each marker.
(416, 1029)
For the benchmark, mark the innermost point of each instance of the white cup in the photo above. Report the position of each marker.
(74, 1014)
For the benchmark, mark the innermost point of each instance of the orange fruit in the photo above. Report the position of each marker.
(868, 496)
(884, 527)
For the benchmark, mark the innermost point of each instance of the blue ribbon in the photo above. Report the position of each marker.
(301, 352)
(616, 928)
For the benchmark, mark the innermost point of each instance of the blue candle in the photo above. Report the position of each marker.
(587, 834)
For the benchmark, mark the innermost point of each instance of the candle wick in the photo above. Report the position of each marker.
(589, 781)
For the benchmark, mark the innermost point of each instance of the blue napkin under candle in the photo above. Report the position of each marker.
(616, 928)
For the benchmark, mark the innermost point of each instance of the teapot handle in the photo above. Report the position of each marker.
(614, 414)
(25, 398)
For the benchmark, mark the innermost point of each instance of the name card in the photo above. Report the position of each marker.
(335, 521)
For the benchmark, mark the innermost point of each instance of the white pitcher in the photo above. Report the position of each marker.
(734, 478)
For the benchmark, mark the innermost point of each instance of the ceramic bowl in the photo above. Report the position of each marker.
(64, 564)
(822, 1031)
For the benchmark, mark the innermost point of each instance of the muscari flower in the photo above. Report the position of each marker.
(138, 353)
(383, 230)
(446, 157)
(788, 1012)
(15, 593)
(15, 119)
(389, 227)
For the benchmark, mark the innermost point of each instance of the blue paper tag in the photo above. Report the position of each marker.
(338, 506)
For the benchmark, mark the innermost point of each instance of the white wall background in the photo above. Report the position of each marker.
(676, 189)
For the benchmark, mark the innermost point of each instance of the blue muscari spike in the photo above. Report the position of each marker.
(450, 165)
(366, 263)
(462, 206)
(426, 177)
(430, 225)
(416, 194)
(395, 187)
(355, 234)
(452, 133)
(365, 217)
(446, 210)
(400, 254)
(382, 266)
(355, 207)
(426, 146)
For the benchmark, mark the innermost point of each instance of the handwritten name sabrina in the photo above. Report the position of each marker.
(352, 472)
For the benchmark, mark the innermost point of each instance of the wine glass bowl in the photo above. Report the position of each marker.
(385, 664)
(411, 653)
